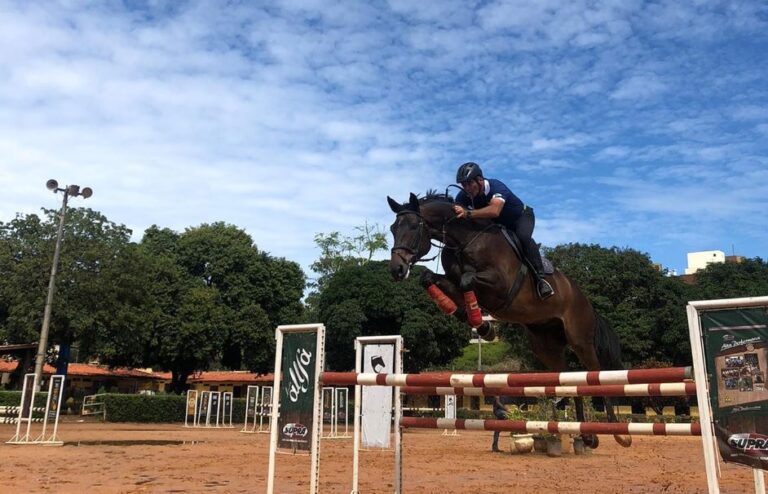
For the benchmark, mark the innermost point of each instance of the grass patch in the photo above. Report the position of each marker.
(494, 357)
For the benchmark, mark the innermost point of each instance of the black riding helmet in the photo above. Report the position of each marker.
(468, 171)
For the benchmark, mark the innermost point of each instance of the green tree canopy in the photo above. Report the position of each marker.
(92, 249)
(338, 251)
(364, 301)
(732, 280)
(250, 293)
(645, 307)
(183, 302)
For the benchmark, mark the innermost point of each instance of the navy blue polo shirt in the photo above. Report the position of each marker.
(513, 206)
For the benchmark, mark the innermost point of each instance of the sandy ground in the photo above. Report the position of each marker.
(225, 461)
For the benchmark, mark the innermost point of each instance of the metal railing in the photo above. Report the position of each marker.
(92, 405)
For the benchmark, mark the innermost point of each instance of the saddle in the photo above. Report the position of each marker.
(514, 242)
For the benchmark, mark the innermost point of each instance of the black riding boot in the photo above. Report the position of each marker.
(542, 286)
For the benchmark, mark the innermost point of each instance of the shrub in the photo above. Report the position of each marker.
(156, 408)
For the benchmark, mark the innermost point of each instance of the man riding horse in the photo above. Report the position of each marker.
(482, 271)
(488, 198)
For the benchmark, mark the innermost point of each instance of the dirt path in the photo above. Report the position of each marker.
(227, 461)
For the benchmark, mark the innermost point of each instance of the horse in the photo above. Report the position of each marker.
(484, 271)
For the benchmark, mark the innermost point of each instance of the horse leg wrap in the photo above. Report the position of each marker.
(474, 317)
(443, 301)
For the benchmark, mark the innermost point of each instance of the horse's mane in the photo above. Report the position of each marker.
(435, 196)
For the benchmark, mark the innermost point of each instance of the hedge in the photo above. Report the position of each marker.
(13, 398)
(155, 408)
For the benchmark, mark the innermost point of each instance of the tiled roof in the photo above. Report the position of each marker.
(86, 370)
(231, 377)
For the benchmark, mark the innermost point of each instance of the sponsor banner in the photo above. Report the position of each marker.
(736, 353)
(266, 400)
(215, 397)
(450, 406)
(205, 396)
(191, 402)
(297, 390)
(28, 397)
(226, 404)
(55, 390)
(376, 409)
(250, 405)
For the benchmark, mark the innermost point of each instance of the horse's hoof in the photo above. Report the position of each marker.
(623, 439)
(486, 331)
(591, 441)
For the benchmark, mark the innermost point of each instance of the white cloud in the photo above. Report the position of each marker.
(544, 144)
(302, 117)
(639, 86)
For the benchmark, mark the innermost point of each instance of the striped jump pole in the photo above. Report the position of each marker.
(14, 409)
(15, 420)
(632, 376)
(522, 426)
(657, 389)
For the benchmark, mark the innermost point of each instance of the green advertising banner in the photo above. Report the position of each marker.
(297, 390)
(736, 352)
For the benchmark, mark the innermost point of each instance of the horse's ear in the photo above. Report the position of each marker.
(395, 206)
(413, 202)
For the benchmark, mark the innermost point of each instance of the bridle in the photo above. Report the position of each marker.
(414, 249)
(450, 242)
(445, 244)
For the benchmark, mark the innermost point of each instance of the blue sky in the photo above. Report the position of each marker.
(624, 123)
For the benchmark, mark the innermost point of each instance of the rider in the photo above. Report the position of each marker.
(488, 198)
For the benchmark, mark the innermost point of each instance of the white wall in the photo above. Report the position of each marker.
(699, 260)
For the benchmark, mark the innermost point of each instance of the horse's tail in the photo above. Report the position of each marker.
(607, 345)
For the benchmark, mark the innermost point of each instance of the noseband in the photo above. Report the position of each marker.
(413, 251)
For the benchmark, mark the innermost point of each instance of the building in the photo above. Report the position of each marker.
(86, 379)
(700, 260)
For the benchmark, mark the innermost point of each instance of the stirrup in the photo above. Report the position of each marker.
(544, 288)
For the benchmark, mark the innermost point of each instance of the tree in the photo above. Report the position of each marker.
(124, 316)
(731, 280)
(196, 337)
(364, 301)
(183, 302)
(337, 252)
(251, 293)
(646, 308)
(91, 248)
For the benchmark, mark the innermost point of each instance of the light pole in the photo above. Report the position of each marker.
(74, 191)
(479, 349)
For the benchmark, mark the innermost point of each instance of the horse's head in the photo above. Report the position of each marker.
(411, 236)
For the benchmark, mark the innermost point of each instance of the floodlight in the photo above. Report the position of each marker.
(73, 190)
(86, 192)
(52, 184)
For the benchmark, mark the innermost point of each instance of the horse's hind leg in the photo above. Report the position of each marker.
(623, 439)
(587, 355)
(590, 440)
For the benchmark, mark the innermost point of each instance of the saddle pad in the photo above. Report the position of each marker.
(549, 268)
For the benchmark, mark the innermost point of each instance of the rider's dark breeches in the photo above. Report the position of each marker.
(524, 231)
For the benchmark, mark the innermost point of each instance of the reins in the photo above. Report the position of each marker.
(447, 239)
(416, 257)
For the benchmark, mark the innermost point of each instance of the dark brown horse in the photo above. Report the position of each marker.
(478, 259)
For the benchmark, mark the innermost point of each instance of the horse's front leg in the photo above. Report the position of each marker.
(443, 292)
(471, 281)
(451, 301)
